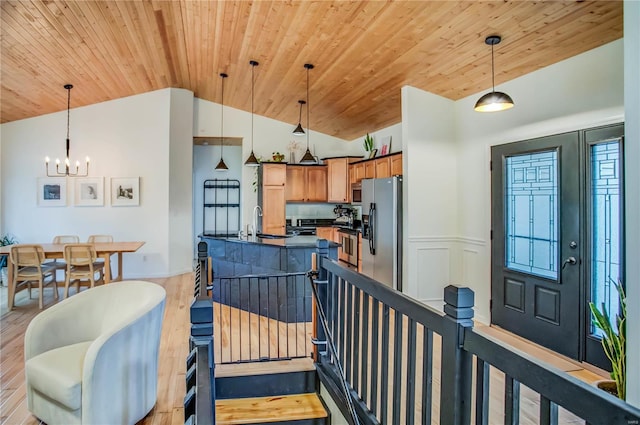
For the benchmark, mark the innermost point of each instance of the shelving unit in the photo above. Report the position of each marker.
(221, 207)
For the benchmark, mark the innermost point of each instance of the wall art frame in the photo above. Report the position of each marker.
(52, 192)
(89, 192)
(125, 191)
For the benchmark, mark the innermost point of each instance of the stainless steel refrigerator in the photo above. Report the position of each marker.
(382, 230)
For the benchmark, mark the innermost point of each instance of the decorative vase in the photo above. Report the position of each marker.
(292, 158)
(607, 385)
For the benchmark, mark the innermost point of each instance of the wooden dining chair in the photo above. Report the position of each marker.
(59, 264)
(27, 262)
(82, 266)
(100, 238)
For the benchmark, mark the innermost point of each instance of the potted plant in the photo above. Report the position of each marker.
(5, 240)
(613, 341)
(368, 144)
(278, 157)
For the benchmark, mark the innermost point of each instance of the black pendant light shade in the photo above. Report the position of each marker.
(252, 161)
(221, 165)
(308, 158)
(494, 100)
(299, 131)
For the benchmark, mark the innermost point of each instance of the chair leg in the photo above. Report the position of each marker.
(66, 285)
(55, 286)
(41, 286)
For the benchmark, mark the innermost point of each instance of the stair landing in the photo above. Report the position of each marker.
(275, 409)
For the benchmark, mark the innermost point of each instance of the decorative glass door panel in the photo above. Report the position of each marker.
(532, 213)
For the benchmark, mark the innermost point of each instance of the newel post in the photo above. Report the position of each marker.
(455, 399)
(322, 250)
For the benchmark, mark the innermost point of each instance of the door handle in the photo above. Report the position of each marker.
(570, 260)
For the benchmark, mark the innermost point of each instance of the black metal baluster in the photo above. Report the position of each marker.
(356, 341)
(384, 384)
(364, 351)
(343, 306)
(349, 340)
(278, 324)
(427, 375)
(375, 376)
(511, 401)
(397, 366)
(411, 376)
(548, 412)
(482, 392)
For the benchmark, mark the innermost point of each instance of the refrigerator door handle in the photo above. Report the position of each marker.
(372, 227)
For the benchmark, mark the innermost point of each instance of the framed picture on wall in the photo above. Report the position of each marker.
(52, 192)
(125, 191)
(89, 192)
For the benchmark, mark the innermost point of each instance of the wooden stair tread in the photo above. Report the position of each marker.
(269, 409)
(264, 368)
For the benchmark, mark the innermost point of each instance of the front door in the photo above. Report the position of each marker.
(536, 240)
(557, 229)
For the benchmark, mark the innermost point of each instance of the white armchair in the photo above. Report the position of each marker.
(93, 358)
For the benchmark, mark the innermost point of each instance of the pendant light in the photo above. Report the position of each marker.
(67, 171)
(252, 161)
(308, 158)
(221, 165)
(495, 100)
(299, 131)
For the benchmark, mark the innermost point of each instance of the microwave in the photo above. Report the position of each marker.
(356, 194)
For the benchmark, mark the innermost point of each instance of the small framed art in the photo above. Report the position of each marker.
(125, 191)
(89, 192)
(52, 192)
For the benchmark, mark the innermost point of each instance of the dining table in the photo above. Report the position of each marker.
(104, 250)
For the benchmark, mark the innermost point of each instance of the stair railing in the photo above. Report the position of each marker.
(313, 275)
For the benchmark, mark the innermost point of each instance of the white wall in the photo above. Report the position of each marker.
(632, 193)
(269, 136)
(429, 193)
(180, 181)
(128, 137)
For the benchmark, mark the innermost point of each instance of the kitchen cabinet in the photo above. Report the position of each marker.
(396, 164)
(383, 168)
(358, 172)
(328, 233)
(369, 170)
(337, 180)
(306, 183)
(271, 197)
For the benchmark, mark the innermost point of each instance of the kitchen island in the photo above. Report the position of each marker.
(237, 257)
(265, 276)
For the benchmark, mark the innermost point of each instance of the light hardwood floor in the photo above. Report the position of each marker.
(174, 346)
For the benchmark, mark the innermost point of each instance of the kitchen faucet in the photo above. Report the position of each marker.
(257, 212)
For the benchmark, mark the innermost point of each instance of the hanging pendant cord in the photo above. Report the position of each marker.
(493, 75)
(68, 117)
(308, 128)
(222, 118)
(252, 88)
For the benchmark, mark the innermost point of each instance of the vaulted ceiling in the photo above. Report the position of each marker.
(363, 52)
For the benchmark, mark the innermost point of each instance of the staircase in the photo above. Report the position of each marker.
(277, 392)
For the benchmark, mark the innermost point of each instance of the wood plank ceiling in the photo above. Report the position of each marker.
(363, 52)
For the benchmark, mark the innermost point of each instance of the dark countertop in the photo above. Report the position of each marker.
(292, 242)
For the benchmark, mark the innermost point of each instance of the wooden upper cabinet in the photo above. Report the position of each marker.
(306, 183)
(296, 183)
(274, 174)
(383, 168)
(337, 180)
(396, 164)
(356, 172)
(317, 184)
(369, 170)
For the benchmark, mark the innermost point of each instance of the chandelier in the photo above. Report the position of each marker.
(66, 171)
